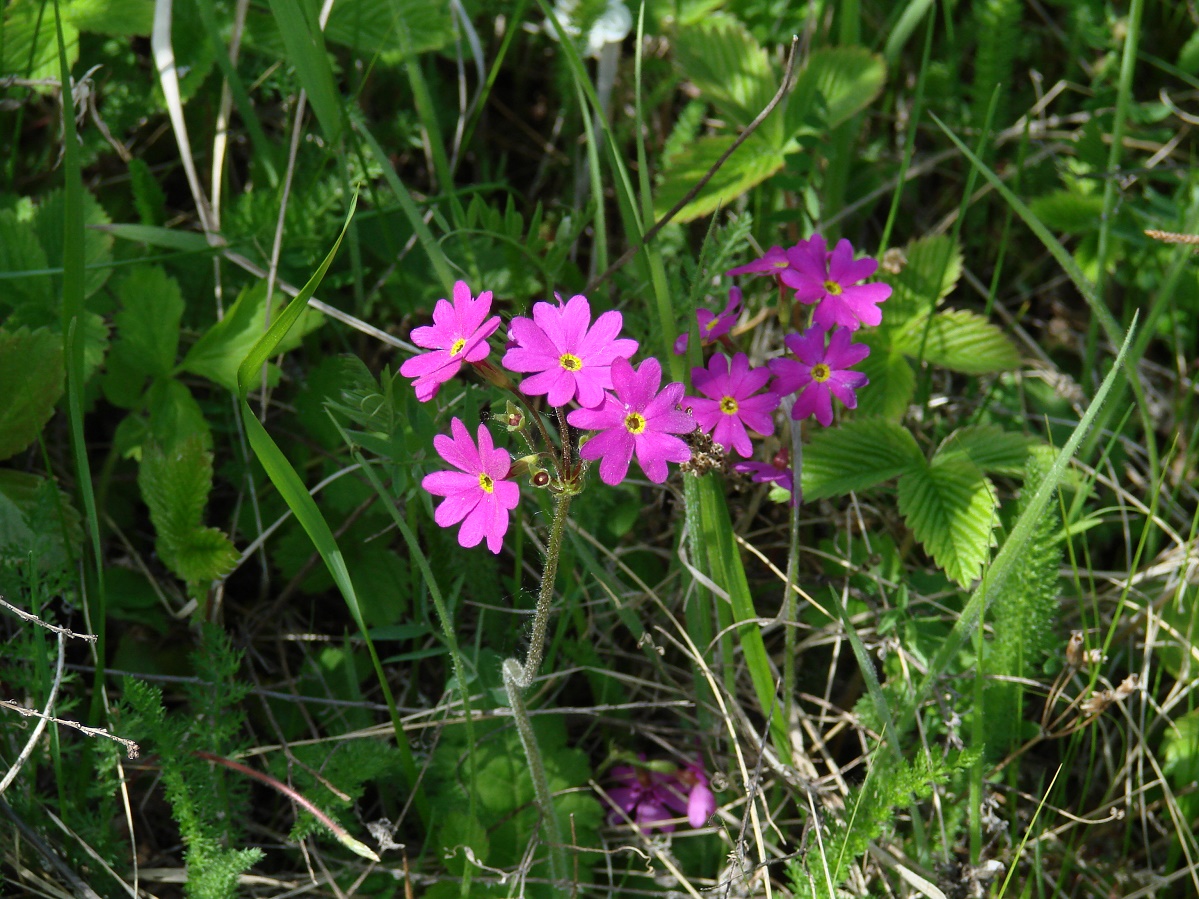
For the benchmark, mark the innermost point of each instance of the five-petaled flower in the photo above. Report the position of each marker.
(458, 334)
(830, 280)
(712, 326)
(651, 798)
(820, 374)
(776, 471)
(478, 494)
(636, 418)
(570, 355)
(729, 405)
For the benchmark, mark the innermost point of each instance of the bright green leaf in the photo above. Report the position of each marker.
(752, 163)
(30, 47)
(930, 272)
(97, 243)
(989, 447)
(961, 341)
(121, 18)
(950, 508)
(204, 554)
(148, 323)
(305, 44)
(1067, 211)
(33, 360)
(856, 456)
(732, 71)
(892, 380)
(845, 79)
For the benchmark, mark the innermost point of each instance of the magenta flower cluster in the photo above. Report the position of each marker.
(570, 360)
(651, 798)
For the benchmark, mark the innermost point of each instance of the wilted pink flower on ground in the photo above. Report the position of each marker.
(772, 263)
(712, 326)
(651, 797)
(635, 417)
(571, 356)
(458, 334)
(831, 281)
(728, 405)
(477, 494)
(820, 374)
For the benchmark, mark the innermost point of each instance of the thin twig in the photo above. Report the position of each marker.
(131, 748)
(699, 185)
(53, 628)
(41, 725)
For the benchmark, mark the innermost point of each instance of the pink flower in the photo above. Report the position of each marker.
(636, 419)
(776, 471)
(477, 494)
(651, 797)
(772, 263)
(820, 374)
(831, 280)
(571, 356)
(458, 334)
(728, 405)
(712, 326)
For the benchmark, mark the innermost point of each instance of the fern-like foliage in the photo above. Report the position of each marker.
(205, 802)
(997, 27)
(1024, 619)
(869, 810)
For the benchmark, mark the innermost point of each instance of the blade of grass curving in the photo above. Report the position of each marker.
(724, 562)
(1007, 557)
(305, 44)
(447, 628)
(73, 260)
(426, 110)
(437, 258)
(1094, 302)
(304, 507)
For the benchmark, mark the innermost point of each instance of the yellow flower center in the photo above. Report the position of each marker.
(634, 422)
(457, 347)
(712, 324)
(832, 288)
(570, 362)
(821, 372)
(728, 405)
(486, 483)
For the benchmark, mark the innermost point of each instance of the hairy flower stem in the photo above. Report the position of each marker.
(518, 677)
(790, 613)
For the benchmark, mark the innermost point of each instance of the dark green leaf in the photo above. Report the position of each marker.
(148, 323)
(857, 456)
(989, 447)
(33, 360)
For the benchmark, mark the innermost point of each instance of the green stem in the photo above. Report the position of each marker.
(546, 595)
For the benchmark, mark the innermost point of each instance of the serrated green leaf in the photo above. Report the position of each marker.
(36, 520)
(950, 508)
(121, 18)
(856, 456)
(752, 163)
(97, 243)
(989, 447)
(960, 341)
(892, 380)
(221, 349)
(845, 79)
(21, 255)
(930, 272)
(175, 484)
(33, 360)
(1067, 211)
(732, 71)
(174, 414)
(148, 323)
(30, 48)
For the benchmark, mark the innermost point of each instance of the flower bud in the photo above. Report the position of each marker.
(514, 417)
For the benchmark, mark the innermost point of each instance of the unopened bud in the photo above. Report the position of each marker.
(540, 478)
(493, 375)
(514, 417)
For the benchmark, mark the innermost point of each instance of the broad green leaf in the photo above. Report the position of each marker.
(36, 519)
(221, 349)
(950, 508)
(174, 414)
(175, 483)
(21, 260)
(835, 84)
(1067, 211)
(373, 26)
(31, 368)
(732, 71)
(752, 163)
(857, 456)
(989, 447)
(306, 51)
(960, 341)
(148, 323)
(48, 222)
(892, 380)
(30, 48)
(121, 18)
(930, 272)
